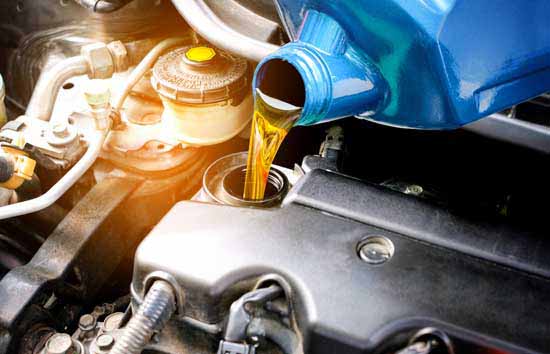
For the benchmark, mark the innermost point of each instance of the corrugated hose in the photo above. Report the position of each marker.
(158, 306)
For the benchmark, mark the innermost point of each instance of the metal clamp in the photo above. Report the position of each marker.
(236, 348)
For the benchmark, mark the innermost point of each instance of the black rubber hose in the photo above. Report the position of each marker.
(273, 330)
(158, 306)
(103, 6)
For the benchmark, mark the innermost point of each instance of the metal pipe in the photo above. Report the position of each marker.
(511, 130)
(145, 64)
(201, 18)
(41, 107)
(45, 92)
(63, 185)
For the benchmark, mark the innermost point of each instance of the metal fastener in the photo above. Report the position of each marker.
(100, 60)
(375, 250)
(61, 133)
(105, 342)
(87, 322)
(60, 130)
(414, 189)
(112, 321)
(59, 343)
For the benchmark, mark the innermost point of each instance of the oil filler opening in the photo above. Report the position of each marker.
(279, 79)
(234, 182)
(224, 180)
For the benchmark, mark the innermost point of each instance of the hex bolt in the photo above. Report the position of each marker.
(105, 342)
(87, 323)
(61, 133)
(59, 343)
(60, 129)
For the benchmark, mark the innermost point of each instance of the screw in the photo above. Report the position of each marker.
(105, 342)
(414, 189)
(375, 250)
(59, 343)
(60, 129)
(87, 323)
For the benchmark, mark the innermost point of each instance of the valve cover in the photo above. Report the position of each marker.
(342, 303)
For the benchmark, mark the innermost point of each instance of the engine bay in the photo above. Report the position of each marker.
(125, 225)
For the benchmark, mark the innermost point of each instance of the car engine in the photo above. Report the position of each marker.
(404, 213)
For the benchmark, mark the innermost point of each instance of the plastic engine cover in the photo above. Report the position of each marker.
(343, 304)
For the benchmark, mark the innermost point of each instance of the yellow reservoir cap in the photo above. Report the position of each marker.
(200, 54)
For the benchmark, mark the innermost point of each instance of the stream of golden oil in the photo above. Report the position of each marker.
(270, 125)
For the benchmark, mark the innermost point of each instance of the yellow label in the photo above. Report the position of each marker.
(200, 54)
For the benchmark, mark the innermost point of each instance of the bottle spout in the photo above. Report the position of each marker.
(277, 104)
(322, 73)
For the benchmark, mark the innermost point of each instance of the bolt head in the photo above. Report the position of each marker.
(59, 343)
(100, 60)
(375, 250)
(414, 189)
(105, 342)
(60, 129)
(61, 133)
(112, 321)
(87, 322)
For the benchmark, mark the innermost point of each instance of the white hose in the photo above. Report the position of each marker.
(146, 64)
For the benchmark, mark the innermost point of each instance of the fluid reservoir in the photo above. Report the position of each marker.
(206, 94)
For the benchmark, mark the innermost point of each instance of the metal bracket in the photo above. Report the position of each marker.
(235, 348)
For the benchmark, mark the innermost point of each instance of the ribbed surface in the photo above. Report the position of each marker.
(213, 81)
(156, 309)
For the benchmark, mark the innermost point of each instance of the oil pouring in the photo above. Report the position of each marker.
(272, 120)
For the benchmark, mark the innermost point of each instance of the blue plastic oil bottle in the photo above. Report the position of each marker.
(427, 64)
